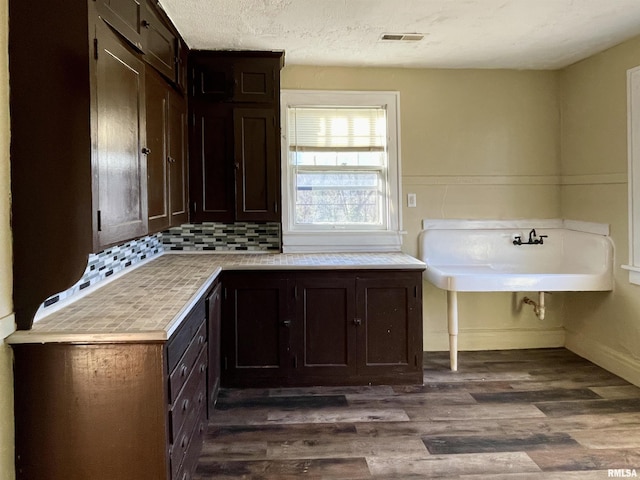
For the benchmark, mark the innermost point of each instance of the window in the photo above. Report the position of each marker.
(633, 133)
(340, 171)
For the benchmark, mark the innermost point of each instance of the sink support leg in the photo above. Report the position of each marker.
(452, 319)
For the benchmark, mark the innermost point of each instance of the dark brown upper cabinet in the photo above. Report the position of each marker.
(119, 163)
(144, 25)
(166, 158)
(125, 17)
(235, 136)
(160, 44)
(238, 79)
(79, 167)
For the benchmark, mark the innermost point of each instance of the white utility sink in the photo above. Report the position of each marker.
(514, 256)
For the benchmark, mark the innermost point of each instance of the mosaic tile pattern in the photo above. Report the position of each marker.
(108, 262)
(148, 301)
(226, 237)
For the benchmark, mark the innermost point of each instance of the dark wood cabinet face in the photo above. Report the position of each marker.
(388, 308)
(257, 164)
(119, 191)
(343, 328)
(159, 43)
(325, 332)
(255, 81)
(166, 157)
(212, 179)
(255, 328)
(157, 99)
(125, 16)
(178, 145)
(90, 411)
(235, 157)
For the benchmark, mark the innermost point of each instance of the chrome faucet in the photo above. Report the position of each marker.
(534, 239)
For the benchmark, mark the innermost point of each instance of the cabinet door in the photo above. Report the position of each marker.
(255, 329)
(389, 312)
(159, 43)
(257, 164)
(125, 16)
(254, 80)
(157, 99)
(119, 166)
(325, 332)
(214, 322)
(211, 179)
(177, 159)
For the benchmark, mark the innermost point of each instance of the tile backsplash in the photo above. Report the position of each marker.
(233, 238)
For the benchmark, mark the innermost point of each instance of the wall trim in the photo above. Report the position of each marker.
(497, 339)
(481, 180)
(551, 180)
(594, 179)
(610, 359)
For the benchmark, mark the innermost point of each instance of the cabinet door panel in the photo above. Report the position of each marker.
(255, 328)
(255, 81)
(324, 325)
(390, 335)
(257, 165)
(160, 44)
(157, 165)
(177, 138)
(211, 181)
(125, 17)
(120, 191)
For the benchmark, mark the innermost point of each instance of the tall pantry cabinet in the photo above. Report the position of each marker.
(83, 175)
(234, 163)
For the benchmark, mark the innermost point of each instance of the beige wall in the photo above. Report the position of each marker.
(475, 144)
(602, 327)
(6, 307)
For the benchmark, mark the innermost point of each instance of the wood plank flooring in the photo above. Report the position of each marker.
(520, 414)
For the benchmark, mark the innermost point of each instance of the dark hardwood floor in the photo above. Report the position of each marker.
(520, 414)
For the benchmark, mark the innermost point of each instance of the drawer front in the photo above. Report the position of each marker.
(191, 397)
(195, 420)
(190, 459)
(181, 339)
(180, 374)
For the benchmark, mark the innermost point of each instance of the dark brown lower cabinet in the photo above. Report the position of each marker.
(322, 328)
(105, 411)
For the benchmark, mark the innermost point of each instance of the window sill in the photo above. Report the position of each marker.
(320, 242)
(634, 273)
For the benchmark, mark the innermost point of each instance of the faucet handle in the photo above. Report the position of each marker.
(542, 237)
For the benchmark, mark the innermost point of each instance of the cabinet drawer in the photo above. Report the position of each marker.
(180, 340)
(192, 396)
(189, 459)
(194, 421)
(180, 374)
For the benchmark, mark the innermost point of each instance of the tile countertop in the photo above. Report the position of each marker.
(150, 301)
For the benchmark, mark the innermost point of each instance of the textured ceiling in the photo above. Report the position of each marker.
(520, 34)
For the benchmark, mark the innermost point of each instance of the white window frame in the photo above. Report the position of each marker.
(633, 145)
(332, 238)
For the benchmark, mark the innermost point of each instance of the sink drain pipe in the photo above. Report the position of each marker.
(538, 307)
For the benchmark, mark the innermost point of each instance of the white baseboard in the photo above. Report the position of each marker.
(606, 357)
(498, 339)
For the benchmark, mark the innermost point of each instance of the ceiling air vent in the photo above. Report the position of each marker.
(401, 37)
